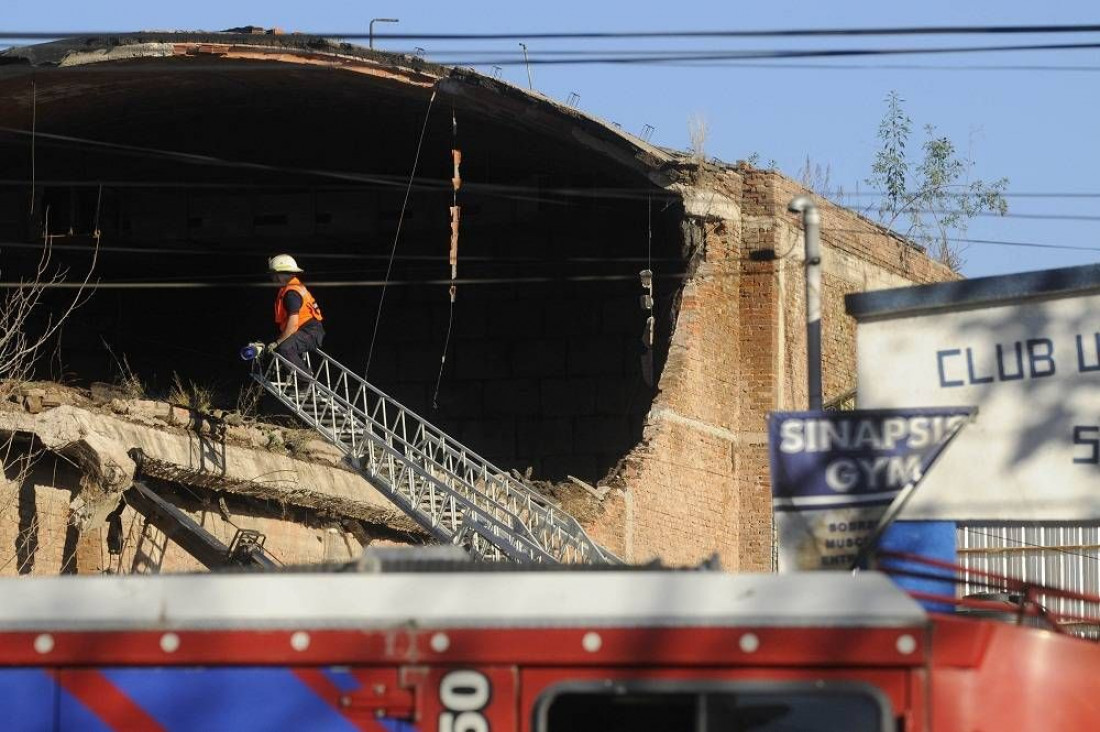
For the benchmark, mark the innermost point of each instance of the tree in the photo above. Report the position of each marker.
(936, 199)
(20, 343)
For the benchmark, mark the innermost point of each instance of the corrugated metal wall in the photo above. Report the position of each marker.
(1054, 554)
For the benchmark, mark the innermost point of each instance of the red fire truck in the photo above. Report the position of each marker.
(456, 646)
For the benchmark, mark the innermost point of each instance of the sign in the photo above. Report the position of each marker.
(1032, 367)
(835, 474)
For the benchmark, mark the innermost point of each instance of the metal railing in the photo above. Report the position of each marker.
(449, 490)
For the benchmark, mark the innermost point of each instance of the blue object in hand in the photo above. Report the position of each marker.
(252, 351)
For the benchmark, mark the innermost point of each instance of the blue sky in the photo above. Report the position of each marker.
(1037, 128)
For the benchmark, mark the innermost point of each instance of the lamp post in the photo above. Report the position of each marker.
(379, 20)
(527, 62)
(811, 224)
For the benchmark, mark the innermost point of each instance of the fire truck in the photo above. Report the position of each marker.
(517, 621)
(431, 640)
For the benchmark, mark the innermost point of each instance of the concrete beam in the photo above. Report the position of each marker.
(100, 442)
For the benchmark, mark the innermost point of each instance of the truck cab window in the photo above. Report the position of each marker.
(730, 707)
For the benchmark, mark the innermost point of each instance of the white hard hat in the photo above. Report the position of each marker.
(283, 263)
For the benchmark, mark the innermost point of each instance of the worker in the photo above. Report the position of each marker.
(297, 315)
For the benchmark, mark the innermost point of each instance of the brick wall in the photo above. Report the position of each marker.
(698, 483)
(542, 368)
(547, 375)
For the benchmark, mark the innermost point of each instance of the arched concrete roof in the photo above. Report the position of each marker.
(103, 68)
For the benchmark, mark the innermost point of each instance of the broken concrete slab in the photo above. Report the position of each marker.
(105, 467)
(101, 442)
(103, 393)
(32, 402)
(322, 451)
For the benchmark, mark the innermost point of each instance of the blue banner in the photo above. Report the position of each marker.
(835, 474)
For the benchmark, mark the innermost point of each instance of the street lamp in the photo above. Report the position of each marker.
(811, 224)
(527, 62)
(379, 20)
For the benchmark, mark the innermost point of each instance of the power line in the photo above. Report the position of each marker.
(381, 180)
(212, 281)
(264, 253)
(992, 242)
(397, 233)
(647, 57)
(887, 67)
(1021, 542)
(484, 259)
(436, 185)
(963, 194)
(190, 66)
(166, 285)
(1064, 247)
(797, 53)
(193, 158)
(1030, 29)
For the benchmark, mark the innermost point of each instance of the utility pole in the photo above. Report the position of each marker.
(379, 20)
(811, 225)
(527, 61)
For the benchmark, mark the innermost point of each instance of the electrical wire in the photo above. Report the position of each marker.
(385, 181)
(991, 242)
(1020, 542)
(238, 67)
(397, 234)
(647, 59)
(1026, 29)
(221, 253)
(651, 57)
(438, 185)
(887, 67)
(198, 285)
(233, 280)
(441, 185)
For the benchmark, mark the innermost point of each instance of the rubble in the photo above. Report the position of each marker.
(249, 459)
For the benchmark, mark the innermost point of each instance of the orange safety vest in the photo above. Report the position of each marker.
(310, 310)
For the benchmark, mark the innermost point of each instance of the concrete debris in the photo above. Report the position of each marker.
(597, 492)
(103, 393)
(99, 442)
(322, 452)
(32, 400)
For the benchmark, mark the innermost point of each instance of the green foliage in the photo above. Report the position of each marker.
(891, 167)
(754, 160)
(938, 200)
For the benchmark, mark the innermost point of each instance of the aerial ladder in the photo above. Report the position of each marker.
(453, 493)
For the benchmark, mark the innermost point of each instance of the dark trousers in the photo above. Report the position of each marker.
(302, 341)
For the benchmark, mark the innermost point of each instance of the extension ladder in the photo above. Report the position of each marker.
(453, 493)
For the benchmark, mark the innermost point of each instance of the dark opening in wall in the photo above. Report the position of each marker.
(544, 367)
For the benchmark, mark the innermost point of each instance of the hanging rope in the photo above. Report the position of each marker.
(397, 234)
(452, 257)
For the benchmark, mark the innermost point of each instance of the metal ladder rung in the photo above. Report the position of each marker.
(448, 489)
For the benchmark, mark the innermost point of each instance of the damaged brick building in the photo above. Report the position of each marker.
(191, 157)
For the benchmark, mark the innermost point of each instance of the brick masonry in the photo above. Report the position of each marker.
(548, 376)
(698, 483)
(38, 534)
